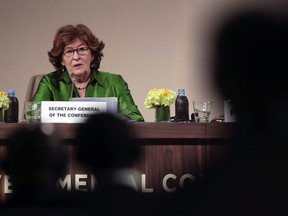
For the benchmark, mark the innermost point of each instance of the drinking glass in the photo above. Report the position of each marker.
(202, 110)
(32, 111)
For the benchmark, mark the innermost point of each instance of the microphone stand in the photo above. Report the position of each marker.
(73, 80)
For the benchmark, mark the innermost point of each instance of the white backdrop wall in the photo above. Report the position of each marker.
(151, 43)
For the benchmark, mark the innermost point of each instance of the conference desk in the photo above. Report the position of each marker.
(173, 153)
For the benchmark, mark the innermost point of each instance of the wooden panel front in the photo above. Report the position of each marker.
(173, 153)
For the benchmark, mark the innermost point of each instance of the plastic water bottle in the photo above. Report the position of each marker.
(11, 115)
(181, 106)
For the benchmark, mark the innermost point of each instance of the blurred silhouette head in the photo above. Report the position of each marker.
(251, 48)
(104, 142)
(34, 157)
(251, 62)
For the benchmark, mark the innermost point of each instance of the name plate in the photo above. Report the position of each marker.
(70, 111)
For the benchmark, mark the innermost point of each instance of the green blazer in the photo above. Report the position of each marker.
(57, 86)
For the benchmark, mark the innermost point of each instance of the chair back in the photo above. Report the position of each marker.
(32, 86)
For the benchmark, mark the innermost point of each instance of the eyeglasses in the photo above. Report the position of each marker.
(79, 50)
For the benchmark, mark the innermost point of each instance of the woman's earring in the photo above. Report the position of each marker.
(63, 68)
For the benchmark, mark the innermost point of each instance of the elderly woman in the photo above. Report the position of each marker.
(76, 55)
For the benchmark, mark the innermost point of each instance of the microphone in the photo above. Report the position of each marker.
(73, 80)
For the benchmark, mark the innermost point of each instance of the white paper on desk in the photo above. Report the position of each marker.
(112, 102)
(230, 114)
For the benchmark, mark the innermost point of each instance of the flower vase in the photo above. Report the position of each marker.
(162, 113)
(1, 115)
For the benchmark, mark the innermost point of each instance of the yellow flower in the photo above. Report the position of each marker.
(158, 97)
(4, 100)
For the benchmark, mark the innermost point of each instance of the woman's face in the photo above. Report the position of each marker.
(77, 58)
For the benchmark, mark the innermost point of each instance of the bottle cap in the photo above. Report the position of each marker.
(181, 91)
(10, 91)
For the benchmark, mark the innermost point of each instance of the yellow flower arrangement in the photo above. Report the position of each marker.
(4, 100)
(158, 97)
